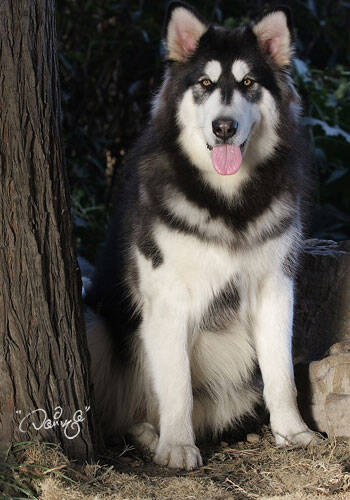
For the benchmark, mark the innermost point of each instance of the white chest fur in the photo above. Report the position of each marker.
(194, 271)
(174, 297)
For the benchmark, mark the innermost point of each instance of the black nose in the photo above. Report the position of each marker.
(223, 128)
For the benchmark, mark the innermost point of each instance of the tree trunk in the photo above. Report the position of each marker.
(43, 353)
(322, 312)
(322, 324)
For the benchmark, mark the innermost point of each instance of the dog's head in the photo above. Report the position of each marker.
(225, 86)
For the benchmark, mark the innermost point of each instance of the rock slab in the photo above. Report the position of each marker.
(329, 397)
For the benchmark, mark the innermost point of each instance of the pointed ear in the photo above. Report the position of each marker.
(182, 30)
(274, 32)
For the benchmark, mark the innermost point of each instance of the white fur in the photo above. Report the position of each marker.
(273, 336)
(213, 70)
(191, 138)
(195, 126)
(257, 125)
(193, 142)
(207, 112)
(264, 137)
(196, 271)
(183, 380)
(274, 37)
(184, 32)
(239, 69)
(244, 112)
(200, 219)
(221, 364)
(145, 435)
(175, 359)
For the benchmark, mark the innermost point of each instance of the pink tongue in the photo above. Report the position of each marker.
(226, 159)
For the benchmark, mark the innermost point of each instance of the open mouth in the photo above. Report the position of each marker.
(241, 146)
(227, 158)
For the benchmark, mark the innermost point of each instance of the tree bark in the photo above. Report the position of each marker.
(43, 352)
(322, 310)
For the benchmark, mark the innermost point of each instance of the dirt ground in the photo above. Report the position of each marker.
(243, 470)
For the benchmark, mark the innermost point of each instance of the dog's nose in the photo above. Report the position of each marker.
(223, 128)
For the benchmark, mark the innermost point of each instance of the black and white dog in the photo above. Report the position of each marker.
(195, 287)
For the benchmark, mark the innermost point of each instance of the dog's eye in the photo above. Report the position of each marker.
(248, 82)
(206, 83)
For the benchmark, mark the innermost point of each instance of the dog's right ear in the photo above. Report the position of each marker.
(183, 28)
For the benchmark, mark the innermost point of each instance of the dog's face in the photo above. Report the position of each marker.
(227, 86)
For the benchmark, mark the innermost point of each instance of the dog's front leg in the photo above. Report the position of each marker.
(164, 332)
(273, 335)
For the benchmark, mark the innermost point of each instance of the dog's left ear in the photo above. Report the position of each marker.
(274, 32)
(183, 28)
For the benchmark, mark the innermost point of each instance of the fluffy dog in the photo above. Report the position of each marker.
(194, 290)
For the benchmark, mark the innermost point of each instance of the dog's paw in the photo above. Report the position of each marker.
(145, 435)
(178, 456)
(301, 438)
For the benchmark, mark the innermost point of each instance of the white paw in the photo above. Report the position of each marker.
(178, 456)
(303, 437)
(145, 435)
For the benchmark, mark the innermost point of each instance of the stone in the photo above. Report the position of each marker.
(329, 391)
(321, 341)
(253, 438)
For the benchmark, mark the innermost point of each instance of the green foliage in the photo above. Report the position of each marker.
(111, 64)
(327, 107)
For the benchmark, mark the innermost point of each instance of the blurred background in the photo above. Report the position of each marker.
(111, 65)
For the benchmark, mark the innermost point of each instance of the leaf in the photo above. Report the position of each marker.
(218, 14)
(328, 130)
(337, 174)
(312, 7)
(302, 69)
(343, 88)
(79, 222)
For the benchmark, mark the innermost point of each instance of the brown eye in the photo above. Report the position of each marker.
(248, 82)
(206, 83)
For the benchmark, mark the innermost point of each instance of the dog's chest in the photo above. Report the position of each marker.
(195, 272)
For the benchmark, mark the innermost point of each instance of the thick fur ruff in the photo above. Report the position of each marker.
(194, 290)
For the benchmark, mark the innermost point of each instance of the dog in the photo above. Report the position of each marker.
(194, 290)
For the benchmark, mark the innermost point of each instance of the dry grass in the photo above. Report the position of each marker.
(240, 471)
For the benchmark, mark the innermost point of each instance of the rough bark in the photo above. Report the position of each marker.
(43, 353)
(322, 312)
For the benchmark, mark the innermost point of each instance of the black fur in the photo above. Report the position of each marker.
(221, 310)
(291, 263)
(157, 166)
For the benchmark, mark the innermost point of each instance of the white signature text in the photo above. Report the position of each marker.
(71, 427)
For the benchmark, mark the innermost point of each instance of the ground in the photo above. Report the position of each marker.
(243, 470)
